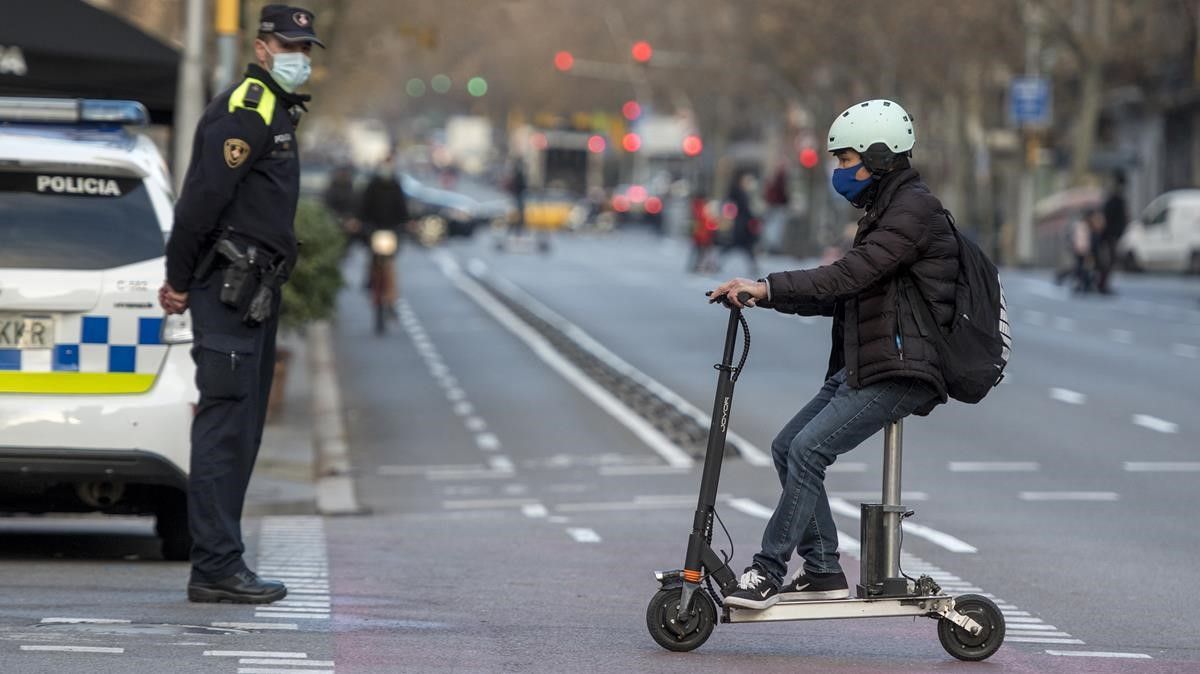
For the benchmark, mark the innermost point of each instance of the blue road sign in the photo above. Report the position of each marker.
(1029, 101)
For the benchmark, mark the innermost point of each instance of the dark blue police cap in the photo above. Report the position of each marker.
(290, 24)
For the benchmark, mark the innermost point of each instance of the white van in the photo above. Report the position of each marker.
(1166, 237)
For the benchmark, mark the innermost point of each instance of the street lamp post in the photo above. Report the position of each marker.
(189, 95)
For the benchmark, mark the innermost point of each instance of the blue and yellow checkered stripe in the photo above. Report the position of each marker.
(92, 354)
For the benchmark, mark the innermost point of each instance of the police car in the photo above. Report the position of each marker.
(96, 386)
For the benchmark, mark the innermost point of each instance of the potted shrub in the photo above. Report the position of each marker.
(311, 291)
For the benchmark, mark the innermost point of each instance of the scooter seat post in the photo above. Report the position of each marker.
(892, 454)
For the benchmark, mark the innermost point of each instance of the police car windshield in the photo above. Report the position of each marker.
(51, 220)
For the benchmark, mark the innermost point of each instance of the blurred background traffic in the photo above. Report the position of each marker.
(624, 113)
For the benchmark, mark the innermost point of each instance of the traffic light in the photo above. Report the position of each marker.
(692, 145)
(596, 144)
(809, 158)
(642, 51)
(631, 142)
(631, 110)
(564, 61)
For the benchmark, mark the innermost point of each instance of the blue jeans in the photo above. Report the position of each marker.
(836, 420)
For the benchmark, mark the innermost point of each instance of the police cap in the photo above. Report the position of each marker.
(290, 24)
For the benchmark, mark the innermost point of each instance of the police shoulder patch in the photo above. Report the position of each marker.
(236, 152)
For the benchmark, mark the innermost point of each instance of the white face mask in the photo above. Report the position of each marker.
(290, 69)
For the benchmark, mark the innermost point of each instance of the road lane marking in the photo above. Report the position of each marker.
(291, 609)
(1013, 632)
(487, 442)
(1068, 396)
(603, 506)
(930, 534)
(1162, 466)
(1042, 641)
(1099, 654)
(993, 466)
(847, 467)
(1069, 496)
(534, 510)
(847, 543)
(1185, 350)
(89, 621)
(1120, 336)
(583, 535)
(284, 661)
(487, 504)
(475, 424)
(750, 453)
(463, 408)
(876, 497)
(501, 464)
(257, 654)
(258, 626)
(1033, 626)
(396, 471)
(669, 451)
(274, 670)
(261, 613)
(73, 649)
(1155, 424)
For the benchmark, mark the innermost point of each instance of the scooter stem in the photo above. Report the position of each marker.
(892, 447)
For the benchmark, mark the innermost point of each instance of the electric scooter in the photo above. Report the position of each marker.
(682, 614)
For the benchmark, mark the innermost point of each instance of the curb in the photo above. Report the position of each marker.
(334, 484)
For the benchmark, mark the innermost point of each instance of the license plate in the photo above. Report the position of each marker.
(26, 332)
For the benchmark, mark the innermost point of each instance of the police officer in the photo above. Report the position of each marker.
(230, 250)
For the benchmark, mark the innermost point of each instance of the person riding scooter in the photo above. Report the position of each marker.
(883, 365)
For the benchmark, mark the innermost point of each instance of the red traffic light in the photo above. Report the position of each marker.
(596, 144)
(642, 51)
(808, 157)
(692, 145)
(564, 61)
(631, 110)
(631, 142)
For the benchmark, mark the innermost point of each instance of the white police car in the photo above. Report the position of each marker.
(96, 387)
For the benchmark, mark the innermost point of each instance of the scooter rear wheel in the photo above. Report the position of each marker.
(662, 619)
(973, 647)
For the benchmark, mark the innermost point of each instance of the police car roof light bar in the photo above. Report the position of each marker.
(72, 111)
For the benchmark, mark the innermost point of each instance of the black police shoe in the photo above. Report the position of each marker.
(243, 587)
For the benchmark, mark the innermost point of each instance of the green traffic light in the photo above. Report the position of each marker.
(415, 88)
(440, 83)
(477, 86)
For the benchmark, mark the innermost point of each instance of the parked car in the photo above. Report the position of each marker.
(1167, 235)
(96, 385)
(454, 213)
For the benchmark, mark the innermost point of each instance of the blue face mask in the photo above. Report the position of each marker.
(847, 185)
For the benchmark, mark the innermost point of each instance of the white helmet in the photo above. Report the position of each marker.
(865, 124)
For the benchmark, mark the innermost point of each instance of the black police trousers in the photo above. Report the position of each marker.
(235, 364)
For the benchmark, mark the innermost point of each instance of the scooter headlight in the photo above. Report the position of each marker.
(384, 242)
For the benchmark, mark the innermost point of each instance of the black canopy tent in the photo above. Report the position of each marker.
(71, 49)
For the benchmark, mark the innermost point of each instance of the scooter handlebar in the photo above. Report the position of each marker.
(743, 297)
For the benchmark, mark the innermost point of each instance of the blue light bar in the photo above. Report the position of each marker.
(72, 111)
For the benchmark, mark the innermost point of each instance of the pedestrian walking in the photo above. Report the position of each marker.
(229, 253)
(704, 230)
(745, 229)
(1116, 218)
(883, 365)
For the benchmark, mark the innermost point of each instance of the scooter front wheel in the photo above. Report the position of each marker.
(973, 647)
(662, 619)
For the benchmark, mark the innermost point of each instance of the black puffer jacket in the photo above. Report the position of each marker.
(877, 334)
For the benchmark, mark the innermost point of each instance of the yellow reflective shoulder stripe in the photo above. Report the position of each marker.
(265, 107)
(65, 383)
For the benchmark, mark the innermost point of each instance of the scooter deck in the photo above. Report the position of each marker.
(825, 609)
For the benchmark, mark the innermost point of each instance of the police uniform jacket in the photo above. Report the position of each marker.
(244, 174)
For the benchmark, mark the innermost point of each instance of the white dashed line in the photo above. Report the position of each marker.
(475, 424)
(534, 510)
(455, 394)
(501, 464)
(583, 535)
(259, 626)
(87, 621)
(1069, 496)
(876, 497)
(1162, 466)
(1185, 350)
(257, 654)
(486, 503)
(847, 467)
(1155, 424)
(74, 649)
(1099, 654)
(1068, 396)
(615, 471)
(273, 670)
(463, 408)
(1042, 640)
(993, 466)
(487, 441)
(281, 661)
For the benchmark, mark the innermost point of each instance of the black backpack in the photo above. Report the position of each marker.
(975, 351)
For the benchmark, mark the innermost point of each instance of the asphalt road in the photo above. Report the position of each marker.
(516, 517)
